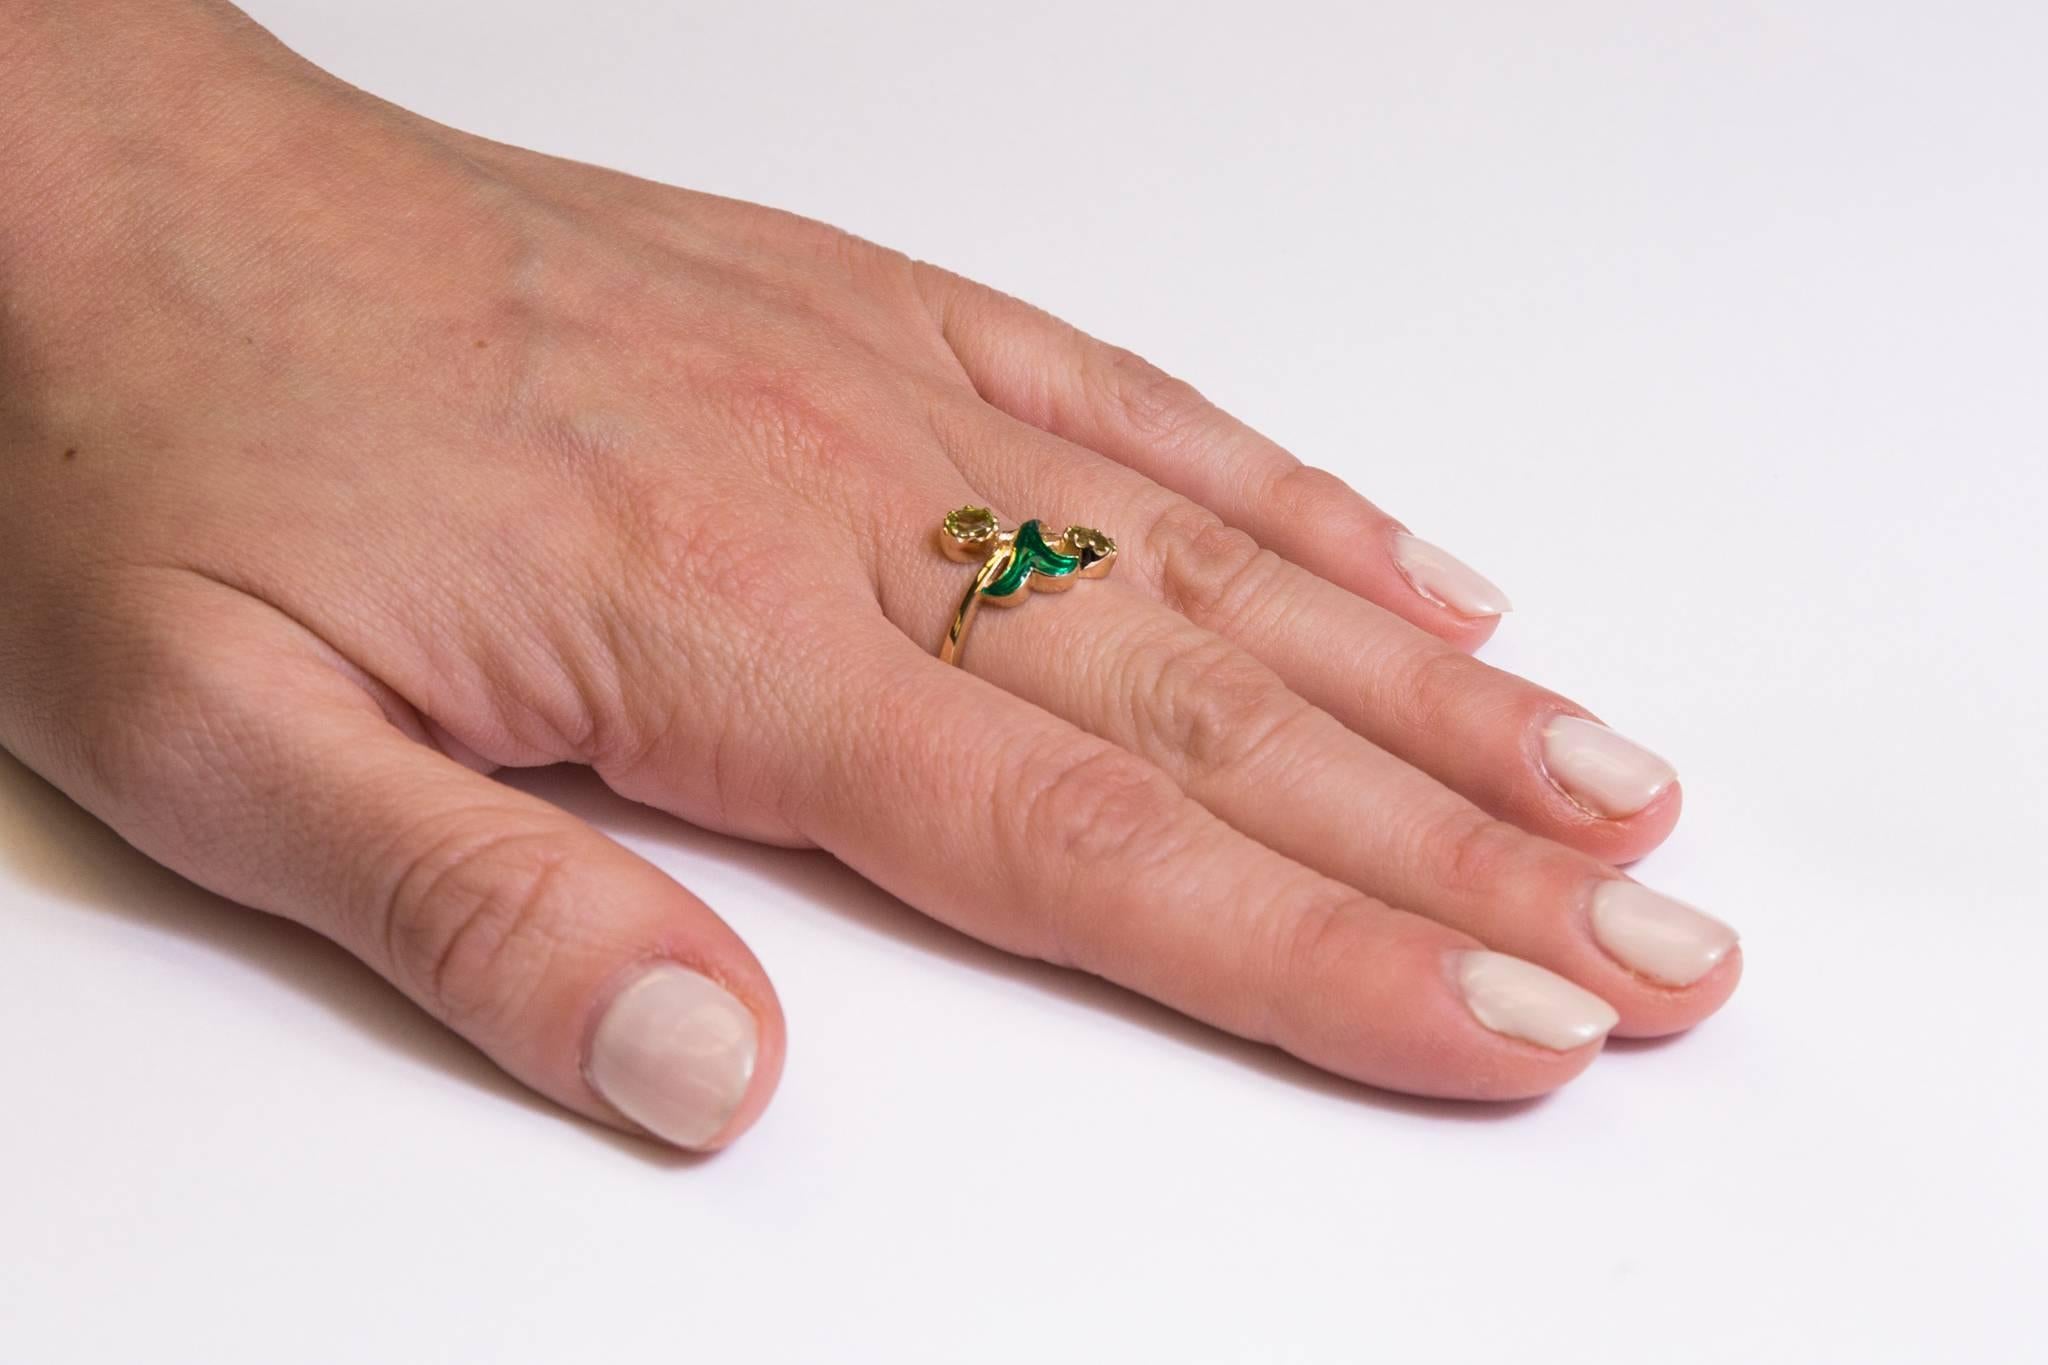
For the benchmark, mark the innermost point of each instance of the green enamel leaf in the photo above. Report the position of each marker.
(1030, 554)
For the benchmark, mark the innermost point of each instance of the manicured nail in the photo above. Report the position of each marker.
(1664, 939)
(674, 1053)
(1602, 771)
(1447, 580)
(1522, 1000)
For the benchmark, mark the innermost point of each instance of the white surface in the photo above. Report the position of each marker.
(1714, 333)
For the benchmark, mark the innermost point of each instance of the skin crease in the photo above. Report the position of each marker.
(348, 456)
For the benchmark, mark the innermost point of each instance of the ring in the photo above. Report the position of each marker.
(1012, 562)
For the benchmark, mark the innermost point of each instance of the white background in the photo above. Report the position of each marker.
(1717, 333)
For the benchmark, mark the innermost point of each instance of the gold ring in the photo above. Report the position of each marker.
(1013, 562)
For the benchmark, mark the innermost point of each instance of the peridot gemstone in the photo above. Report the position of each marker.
(971, 525)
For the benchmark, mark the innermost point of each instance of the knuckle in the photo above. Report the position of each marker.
(834, 247)
(1473, 854)
(1162, 410)
(1207, 571)
(476, 917)
(1212, 707)
(1427, 690)
(870, 263)
(1318, 940)
(1096, 808)
(1314, 935)
(1108, 821)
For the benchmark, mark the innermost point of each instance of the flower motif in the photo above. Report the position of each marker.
(1089, 543)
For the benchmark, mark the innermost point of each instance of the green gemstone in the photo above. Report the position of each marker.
(971, 525)
(1030, 554)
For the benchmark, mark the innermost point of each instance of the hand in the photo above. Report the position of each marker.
(350, 457)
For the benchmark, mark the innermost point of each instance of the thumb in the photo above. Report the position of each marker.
(578, 967)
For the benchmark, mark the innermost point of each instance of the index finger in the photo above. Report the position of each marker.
(1056, 377)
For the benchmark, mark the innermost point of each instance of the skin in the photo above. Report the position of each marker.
(349, 457)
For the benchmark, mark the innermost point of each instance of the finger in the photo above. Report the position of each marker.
(1050, 374)
(1228, 731)
(1519, 751)
(581, 969)
(1020, 829)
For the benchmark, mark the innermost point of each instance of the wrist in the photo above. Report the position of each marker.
(155, 154)
(108, 107)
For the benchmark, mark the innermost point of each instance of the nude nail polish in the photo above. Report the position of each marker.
(1445, 579)
(1602, 771)
(674, 1053)
(1664, 939)
(1522, 1000)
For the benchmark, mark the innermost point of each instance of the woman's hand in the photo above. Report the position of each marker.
(349, 457)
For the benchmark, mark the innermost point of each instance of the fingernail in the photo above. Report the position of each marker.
(1447, 580)
(1602, 771)
(1664, 939)
(1522, 1000)
(674, 1053)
